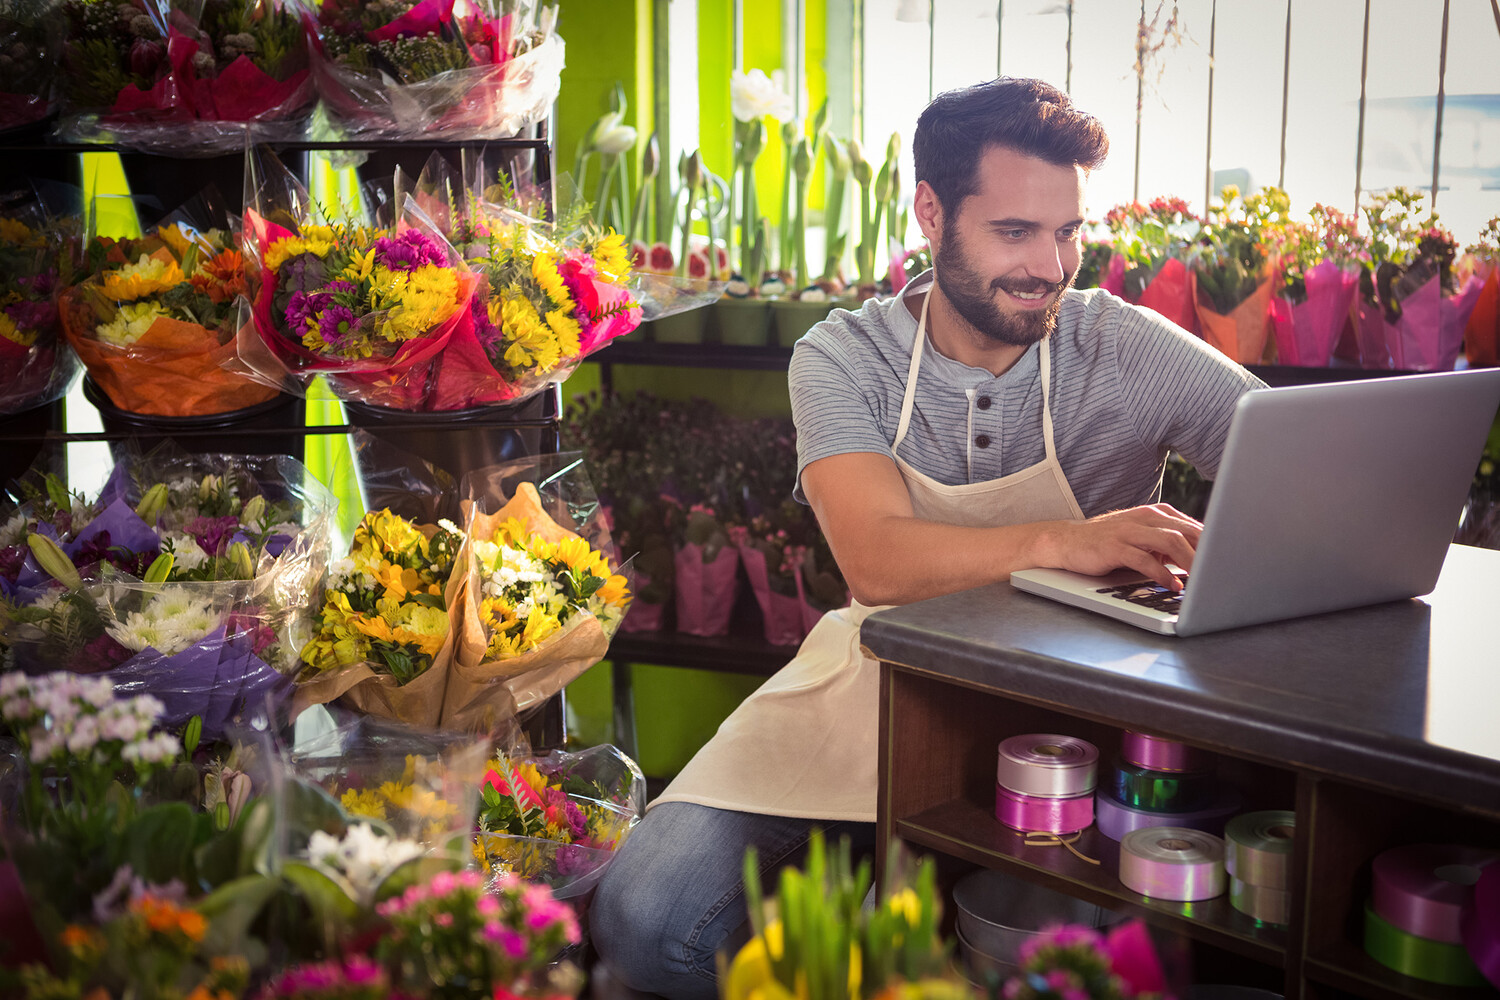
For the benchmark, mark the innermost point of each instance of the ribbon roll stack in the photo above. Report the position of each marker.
(1419, 899)
(1173, 862)
(1258, 859)
(1045, 783)
(1159, 782)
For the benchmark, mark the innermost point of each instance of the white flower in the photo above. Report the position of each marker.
(172, 621)
(612, 135)
(362, 855)
(754, 94)
(13, 531)
(187, 554)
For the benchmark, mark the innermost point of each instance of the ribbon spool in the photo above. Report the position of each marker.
(1480, 924)
(1418, 957)
(1044, 813)
(1422, 888)
(1044, 764)
(1269, 906)
(1259, 848)
(1173, 862)
(1157, 754)
(1115, 819)
(1163, 791)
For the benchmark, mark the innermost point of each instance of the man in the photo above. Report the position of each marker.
(986, 420)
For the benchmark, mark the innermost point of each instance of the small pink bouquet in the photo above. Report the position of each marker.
(1153, 244)
(1320, 277)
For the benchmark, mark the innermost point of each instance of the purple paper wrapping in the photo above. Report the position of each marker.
(1426, 337)
(118, 519)
(640, 616)
(1306, 333)
(782, 614)
(706, 591)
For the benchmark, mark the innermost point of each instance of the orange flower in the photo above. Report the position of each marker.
(222, 276)
(76, 938)
(164, 917)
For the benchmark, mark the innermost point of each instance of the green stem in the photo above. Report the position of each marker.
(865, 251)
(687, 233)
(833, 223)
(747, 218)
(799, 233)
(622, 198)
(606, 175)
(708, 222)
(784, 230)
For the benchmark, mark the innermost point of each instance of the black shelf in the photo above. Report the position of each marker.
(632, 352)
(733, 654)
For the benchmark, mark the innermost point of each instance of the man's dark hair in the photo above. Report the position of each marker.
(1028, 116)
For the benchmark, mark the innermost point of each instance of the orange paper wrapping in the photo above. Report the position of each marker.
(368, 689)
(1245, 331)
(1482, 334)
(481, 694)
(174, 370)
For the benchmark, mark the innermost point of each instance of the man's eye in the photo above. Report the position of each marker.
(1015, 234)
(1070, 233)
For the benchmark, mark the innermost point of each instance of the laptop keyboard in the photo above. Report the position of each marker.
(1150, 594)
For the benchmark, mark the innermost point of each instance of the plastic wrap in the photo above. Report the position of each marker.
(435, 69)
(372, 310)
(185, 79)
(37, 253)
(542, 596)
(156, 319)
(31, 38)
(557, 819)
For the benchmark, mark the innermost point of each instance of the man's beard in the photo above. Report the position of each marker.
(967, 292)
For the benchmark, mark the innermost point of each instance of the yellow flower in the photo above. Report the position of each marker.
(14, 231)
(130, 323)
(360, 266)
(566, 327)
(613, 259)
(11, 332)
(147, 276)
(364, 802)
(614, 590)
(550, 280)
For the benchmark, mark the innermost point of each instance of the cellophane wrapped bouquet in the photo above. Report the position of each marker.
(549, 295)
(1412, 309)
(156, 320)
(37, 255)
(542, 593)
(435, 69)
(185, 578)
(31, 40)
(185, 79)
(1153, 244)
(557, 819)
(1320, 268)
(1482, 333)
(371, 309)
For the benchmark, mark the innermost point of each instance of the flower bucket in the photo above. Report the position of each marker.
(272, 427)
(791, 318)
(1307, 332)
(1170, 293)
(679, 328)
(784, 623)
(643, 617)
(706, 590)
(743, 322)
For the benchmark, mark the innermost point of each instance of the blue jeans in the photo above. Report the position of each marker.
(673, 896)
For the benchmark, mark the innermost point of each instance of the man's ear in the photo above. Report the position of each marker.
(929, 212)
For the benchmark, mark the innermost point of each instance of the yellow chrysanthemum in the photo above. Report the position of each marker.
(147, 276)
(11, 332)
(14, 231)
(612, 258)
(364, 802)
(174, 237)
(567, 330)
(544, 271)
(360, 266)
(130, 323)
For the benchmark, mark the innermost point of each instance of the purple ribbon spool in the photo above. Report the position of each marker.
(1480, 924)
(1048, 765)
(1422, 888)
(1058, 814)
(1157, 754)
(1115, 819)
(1173, 862)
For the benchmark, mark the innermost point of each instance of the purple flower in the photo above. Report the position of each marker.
(408, 251)
(214, 533)
(32, 315)
(99, 655)
(12, 558)
(299, 309)
(335, 325)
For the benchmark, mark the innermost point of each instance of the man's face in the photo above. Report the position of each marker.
(1012, 248)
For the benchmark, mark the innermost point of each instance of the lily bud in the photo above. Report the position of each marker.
(236, 793)
(802, 159)
(50, 556)
(208, 487)
(838, 157)
(755, 141)
(820, 119)
(160, 568)
(152, 504)
(650, 159)
(893, 147)
(692, 170)
(240, 562)
(192, 733)
(254, 510)
(790, 130)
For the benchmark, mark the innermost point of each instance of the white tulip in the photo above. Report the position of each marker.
(613, 136)
(754, 94)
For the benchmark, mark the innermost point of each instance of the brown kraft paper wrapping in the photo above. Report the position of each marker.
(1243, 333)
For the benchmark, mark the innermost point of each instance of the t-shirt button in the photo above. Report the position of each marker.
(982, 440)
(983, 402)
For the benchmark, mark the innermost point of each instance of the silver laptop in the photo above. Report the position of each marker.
(1329, 496)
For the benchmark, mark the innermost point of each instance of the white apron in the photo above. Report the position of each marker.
(806, 743)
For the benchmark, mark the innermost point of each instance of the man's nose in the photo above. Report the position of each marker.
(1045, 261)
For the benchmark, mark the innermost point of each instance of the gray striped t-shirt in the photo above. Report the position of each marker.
(1127, 385)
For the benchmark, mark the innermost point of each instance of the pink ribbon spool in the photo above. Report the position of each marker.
(1157, 754)
(1480, 924)
(1048, 765)
(1057, 814)
(1173, 862)
(1422, 888)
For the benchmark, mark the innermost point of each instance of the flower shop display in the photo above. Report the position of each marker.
(1232, 273)
(1412, 312)
(156, 321)
(1072, 961)
(1482, 333)
(435, 69)
(158, 77)
(1153, 243)
(37, 255)
(31, 38)
(558, 819)
(1320, 263)
(706, 570)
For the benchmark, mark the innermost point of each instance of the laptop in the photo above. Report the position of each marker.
(1329, 496)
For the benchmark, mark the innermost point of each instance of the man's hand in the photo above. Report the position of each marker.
(1144, 539)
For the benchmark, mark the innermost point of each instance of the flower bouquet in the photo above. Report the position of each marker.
(1482, 334)
(156, 76)
(1320, 277)
(1231, 275)
(541, 599)
(31, 40)
(1412, 313)
(372, 310)
(384, 637)
(1154, 243)
(36, 255)
(156, 321)
(557, 819)
(706, 570)
(1079, 963)
(435, 69)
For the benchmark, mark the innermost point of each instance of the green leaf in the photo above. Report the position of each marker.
(232, 908)
(159, 842)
